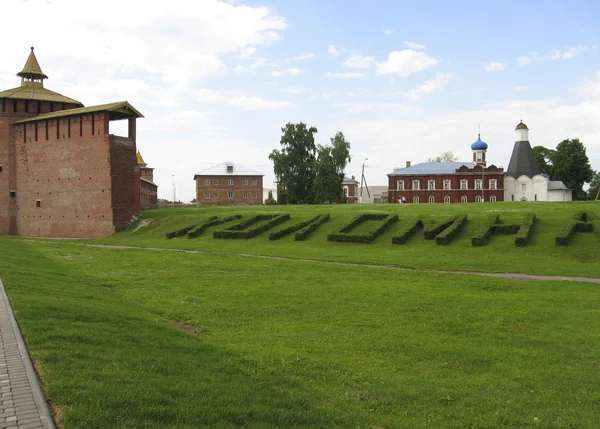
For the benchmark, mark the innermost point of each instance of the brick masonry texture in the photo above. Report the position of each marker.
(242, 190)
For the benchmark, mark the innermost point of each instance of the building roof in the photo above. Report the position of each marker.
(118, 110)
(140, 160)
(479, 144)
(221, 170)
(521, 126)
(556, 184)
(426, 168)
(522, 162)
(349, 180)
(148, 181)
(32, 68)
(33, 91)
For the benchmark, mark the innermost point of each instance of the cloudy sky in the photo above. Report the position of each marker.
(403, 80)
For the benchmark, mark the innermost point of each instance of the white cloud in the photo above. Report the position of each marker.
(493, 66)
(334, 51)
(388, 32)
(557, 54)
(290, 72)
(567, 53)
(344, 75)
(436, 84)
(405, 63)
(359, 61)
(590, 89)
(236, 99)
(247, 52)
(258, 63)
(413, 45)
(302, 56)
(528, 59)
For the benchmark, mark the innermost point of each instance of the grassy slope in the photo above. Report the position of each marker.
(287, 346)
(542, 256)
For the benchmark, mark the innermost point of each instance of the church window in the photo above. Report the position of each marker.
(46, 129)
(493, 184)
(431, 199)
(478, 156)
(464, 199)
(431, 185)
(230, 195)
(207, 195)
(416, 185)
(478, 199)
(493, 199)
(400, 185)
(512, 197)
(230, 181)
(416, 199)
(206, 182)
(478, 183)
(535, 197)
(447, 199)
(464, 184)
(447, 184)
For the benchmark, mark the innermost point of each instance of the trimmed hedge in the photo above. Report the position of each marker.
(292, 228)
(566, 233)
(448, 234)
(582, 222)
(482, 236)
(180, 232)
(212, 221)
(304, 233)
(242, 229)
(409, 229)
(596, 226)
(344, 235)
(433, 228)
(525, 230)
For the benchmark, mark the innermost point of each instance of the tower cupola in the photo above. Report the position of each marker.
(32, 74)
(479, 149)
(522, 132)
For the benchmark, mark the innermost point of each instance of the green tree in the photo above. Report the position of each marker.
(543, 157)
(572, 166)
(594, 186)
(270, 201)
(294, 164)
(331, 163)
(445, 157)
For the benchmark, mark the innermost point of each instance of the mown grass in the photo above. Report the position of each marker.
(287, 343)
(540, 256)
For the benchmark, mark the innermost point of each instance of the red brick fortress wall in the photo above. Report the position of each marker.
(125, 180)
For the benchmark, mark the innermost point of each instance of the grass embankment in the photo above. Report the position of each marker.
(540, 256)
(296, 344)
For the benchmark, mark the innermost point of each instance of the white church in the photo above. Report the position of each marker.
(524, 180)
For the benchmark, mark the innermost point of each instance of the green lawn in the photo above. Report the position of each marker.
(541, 256)
(158, 339)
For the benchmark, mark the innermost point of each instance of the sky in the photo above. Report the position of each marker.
(403, 80)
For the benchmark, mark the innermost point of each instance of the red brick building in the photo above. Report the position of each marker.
(62, 174)
(350, 188)
(148, 189)
(227, 184)
(448, 182)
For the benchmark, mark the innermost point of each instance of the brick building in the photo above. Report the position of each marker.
(449, 182)
(350, 188)
(229, 183)
(148, 189)
(62, 174)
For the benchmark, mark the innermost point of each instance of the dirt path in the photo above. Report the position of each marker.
(512, 276)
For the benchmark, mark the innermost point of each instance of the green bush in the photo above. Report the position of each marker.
(432, 228)
(212, 221)
(525, 231)
(581, 222)
(344, 235)
(482, 236)
(448, 234)
(566, 233)
(243, 230)
(407, 231)
(179, 232)
(292, 228)
(305, 232)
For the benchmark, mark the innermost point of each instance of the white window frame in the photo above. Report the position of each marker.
(216, 196)
(345, 191)
(216, 182)
(478, 198)
(206, 182)
(431, 199)
(447, 184)
(416, 182)
(416, 199)
(493, 184)
(230, 195)
(464, 199)
(245, 181)
(464, 184)
(447, 199)
(254, 182)
(492, 198)
(400, 185)
(478, 184)
(431, 184)
(207, 195)
(230, 181)
(254, 195)
(245, 195)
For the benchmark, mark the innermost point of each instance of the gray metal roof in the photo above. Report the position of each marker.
(425, 168)
(522, 162)
(556, 184)
(221, 170)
